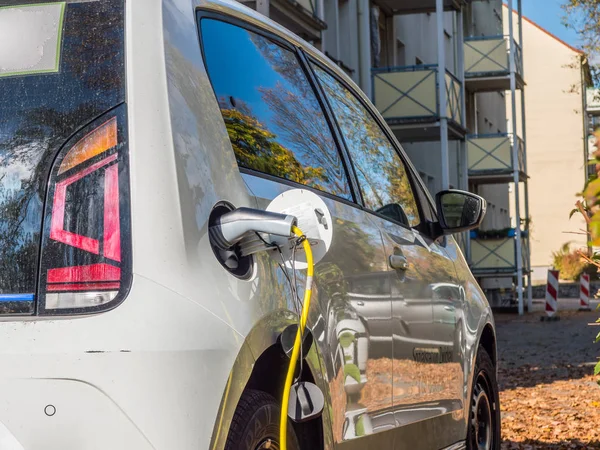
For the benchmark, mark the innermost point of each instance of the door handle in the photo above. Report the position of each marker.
(398, 262)
(360, 303)
(449, 308)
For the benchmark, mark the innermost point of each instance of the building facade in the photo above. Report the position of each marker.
(440, 72)
(557, 76)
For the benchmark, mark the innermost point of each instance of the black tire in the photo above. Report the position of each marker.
(484, 395)
(256, 423)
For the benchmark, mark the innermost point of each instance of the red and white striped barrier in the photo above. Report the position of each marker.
(584, 292)
(552, 293)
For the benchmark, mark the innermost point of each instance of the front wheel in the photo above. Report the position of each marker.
(484, 412)
(255, 424)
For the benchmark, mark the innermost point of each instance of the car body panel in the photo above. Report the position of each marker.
(356, 252)
(184, 342)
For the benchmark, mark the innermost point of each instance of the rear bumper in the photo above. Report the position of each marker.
(132, 378)
(67, 414)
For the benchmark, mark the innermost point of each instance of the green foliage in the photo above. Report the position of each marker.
(360, 426)
(573, 212)
(347, 339)
(257, 148)
(569, 263)
(351, 370)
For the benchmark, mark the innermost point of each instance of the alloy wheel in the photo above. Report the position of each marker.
(482, 418)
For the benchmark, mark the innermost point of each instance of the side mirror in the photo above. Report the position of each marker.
(459, 210)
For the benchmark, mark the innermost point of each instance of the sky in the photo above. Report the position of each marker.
(549, 15)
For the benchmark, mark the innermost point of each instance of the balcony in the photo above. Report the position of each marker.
(490, 158)
(408, 99)
(487, 63)
(497, 255)
(418, 6)
(299, 16)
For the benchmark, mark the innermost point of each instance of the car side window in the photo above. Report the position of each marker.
(273, 117)
(381, 173)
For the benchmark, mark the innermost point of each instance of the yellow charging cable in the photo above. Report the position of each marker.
(297, 343)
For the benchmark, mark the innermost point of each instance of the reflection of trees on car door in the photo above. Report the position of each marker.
(414, 262)
(277, 127)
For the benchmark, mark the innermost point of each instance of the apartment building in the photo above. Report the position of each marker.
(557, 77)
(439, 71)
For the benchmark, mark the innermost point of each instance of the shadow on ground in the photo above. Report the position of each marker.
(549, 398)
(567, 444)
(527, 375)
(532, 352)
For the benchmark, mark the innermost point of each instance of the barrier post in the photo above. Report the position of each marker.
(584, 292)
(551, 296)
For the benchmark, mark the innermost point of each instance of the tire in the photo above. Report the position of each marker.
(255, 424)
(484, 406)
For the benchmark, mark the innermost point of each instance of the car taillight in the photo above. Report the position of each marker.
(86, 257)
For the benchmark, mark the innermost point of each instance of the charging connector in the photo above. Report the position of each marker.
(231, 227)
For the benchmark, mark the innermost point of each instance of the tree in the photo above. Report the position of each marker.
(589, 207)
(299, 118)
(380, 170)
(257, 148)
(583, 16)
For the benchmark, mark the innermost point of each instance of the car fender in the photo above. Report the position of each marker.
(261, 337)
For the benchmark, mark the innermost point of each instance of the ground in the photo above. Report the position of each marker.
(548, 393)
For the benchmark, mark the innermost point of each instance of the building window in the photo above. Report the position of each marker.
(400, 53)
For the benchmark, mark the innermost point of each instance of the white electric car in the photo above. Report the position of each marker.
(129, 316)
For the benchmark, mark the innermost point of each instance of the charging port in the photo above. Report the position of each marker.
(231, 259)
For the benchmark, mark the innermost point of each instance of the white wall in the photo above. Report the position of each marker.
(555, 142)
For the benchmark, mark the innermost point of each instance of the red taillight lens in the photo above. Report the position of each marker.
(86, 258)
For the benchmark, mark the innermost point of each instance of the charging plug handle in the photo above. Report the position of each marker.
(229, 228)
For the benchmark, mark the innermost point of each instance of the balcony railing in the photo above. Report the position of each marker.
(487, 63)
(490, 158)
(497, 255)
(410, 94)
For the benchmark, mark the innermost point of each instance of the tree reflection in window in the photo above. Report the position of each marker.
(273, 117)
(382, 176)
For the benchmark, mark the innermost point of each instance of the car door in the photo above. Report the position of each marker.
(415, 264)
(284, 141)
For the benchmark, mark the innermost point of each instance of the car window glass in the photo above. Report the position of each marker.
(383, 177)
(274, 120)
